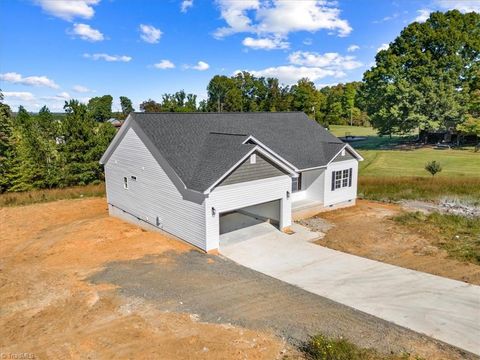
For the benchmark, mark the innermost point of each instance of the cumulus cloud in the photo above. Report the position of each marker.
(81, 89)
(333, 61)
(68, 9)
(86, 32)
(164, 64)
(460, 5)
(150, 34)
(186, 4)
(15, 78)
(20, 95)
(383, 47)
(200, 66)
(265, 43)
(353, 48)
(109, 58)
(311, 65)
(290, 74)
(423, 15)
(278, 18)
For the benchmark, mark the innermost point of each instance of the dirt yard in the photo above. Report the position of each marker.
(49, 310)
(367, 230)
(75, 283)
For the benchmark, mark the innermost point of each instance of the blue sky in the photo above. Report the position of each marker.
(53, 50)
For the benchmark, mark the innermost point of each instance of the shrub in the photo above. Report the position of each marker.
(433, 167)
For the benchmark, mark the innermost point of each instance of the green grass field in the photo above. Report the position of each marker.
(455, 163)
(386, 163)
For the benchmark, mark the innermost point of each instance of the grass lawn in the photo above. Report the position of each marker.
(342, 130)
(455, 163)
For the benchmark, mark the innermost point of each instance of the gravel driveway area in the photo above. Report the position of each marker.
(218, 290)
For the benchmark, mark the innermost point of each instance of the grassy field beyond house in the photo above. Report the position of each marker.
(455, 163)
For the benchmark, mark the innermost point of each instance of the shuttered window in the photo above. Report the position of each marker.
(341, 179)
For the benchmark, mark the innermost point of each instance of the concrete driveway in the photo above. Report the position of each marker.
(444, 309)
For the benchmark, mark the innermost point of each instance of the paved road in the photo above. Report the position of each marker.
(444, 309)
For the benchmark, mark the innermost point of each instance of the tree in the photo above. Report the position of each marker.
(100, 107)
(82, 142)
(6, 144)
(433, 167)
(126, 105)
(150, 105)
(424, 78)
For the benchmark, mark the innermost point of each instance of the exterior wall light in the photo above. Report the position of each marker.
(288, 194)
(213, 211)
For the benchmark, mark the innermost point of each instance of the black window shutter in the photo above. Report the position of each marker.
(333, 180)
(350, 177)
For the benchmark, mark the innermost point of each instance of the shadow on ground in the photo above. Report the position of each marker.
(221, 291)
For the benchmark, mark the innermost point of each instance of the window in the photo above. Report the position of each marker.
(253, 159)
(297, 183)
(341, 179)
(125, 182)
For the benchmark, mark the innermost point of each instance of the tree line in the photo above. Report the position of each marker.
(428, 78)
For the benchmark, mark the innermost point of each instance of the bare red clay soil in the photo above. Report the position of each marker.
(48, 310)
(367, 230)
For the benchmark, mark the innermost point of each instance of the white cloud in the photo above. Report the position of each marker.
(186, 4)
(383, 47)
(278, 18)
(68, 9)
(290, 74)
(109, 58)
(81, 89)
(423, 15)
(150, 34)
(15, 78)
(21, 95)
(59, 97)
(164, 64)
(387, 18)
(86, 32)
(201, 66)
(310, 65)
(265, 43)
(353, 48)
(332, 61)
(460, 5)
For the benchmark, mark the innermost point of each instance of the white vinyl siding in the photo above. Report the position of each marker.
(152, 197)
(236, 196)
(344, 187)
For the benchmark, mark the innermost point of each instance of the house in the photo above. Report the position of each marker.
(183, 172)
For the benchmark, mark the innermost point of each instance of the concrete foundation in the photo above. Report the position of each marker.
(306, 211)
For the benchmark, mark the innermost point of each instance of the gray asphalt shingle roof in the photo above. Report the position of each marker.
(201, 147)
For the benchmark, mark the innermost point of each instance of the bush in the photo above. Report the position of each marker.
(433, 167)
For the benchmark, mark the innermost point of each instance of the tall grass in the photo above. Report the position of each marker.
(419, 188)
(39, 196)
(458, 235)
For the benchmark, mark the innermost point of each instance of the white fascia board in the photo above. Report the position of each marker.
(251, 137)
(116, 140)
(260, 150)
